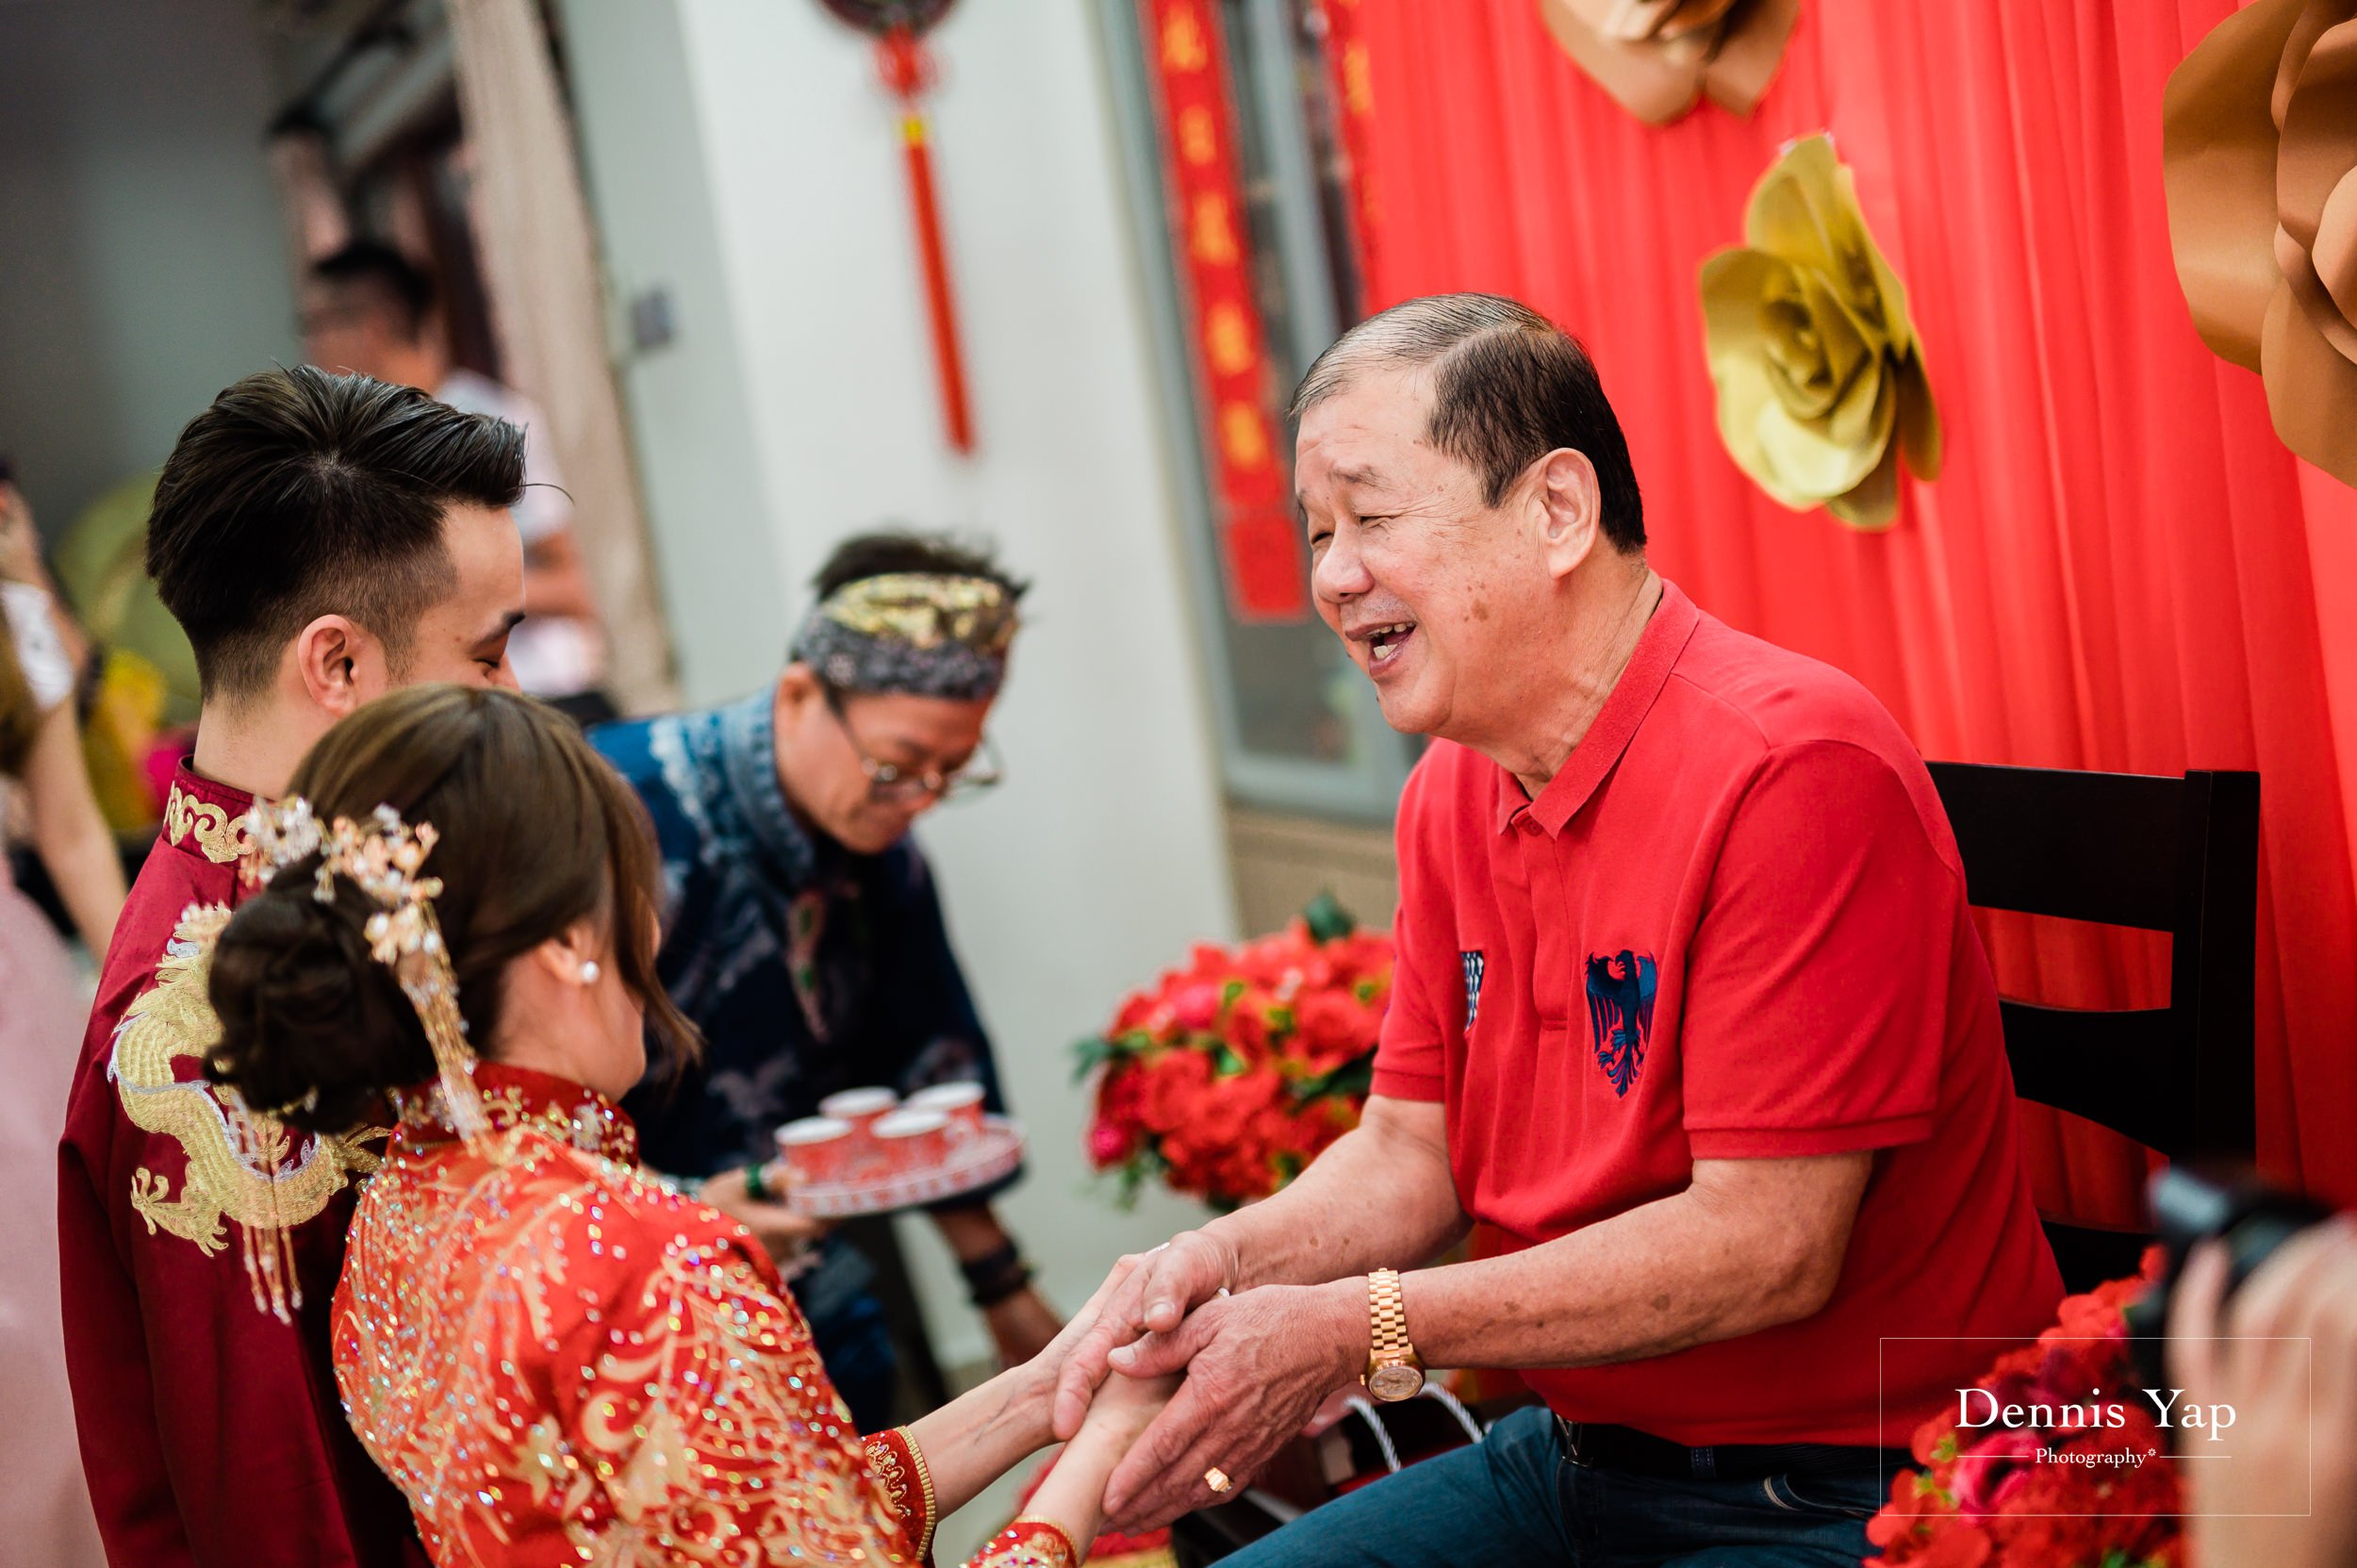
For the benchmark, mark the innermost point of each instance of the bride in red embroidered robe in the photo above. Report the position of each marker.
(557, 1358)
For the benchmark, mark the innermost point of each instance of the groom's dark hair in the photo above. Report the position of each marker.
(299, 494)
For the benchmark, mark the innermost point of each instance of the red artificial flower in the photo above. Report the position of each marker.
(2021, 1362)
(1914, 1501)
(1249, 1034)
(1917, 1526)
(1121, 1092)
(1110, 1143)
(1983, 1466)
(1196, 1007)
(1288, 1010)
(2007, 1500)
(1959, 1544)
(1136, 1009)
(1333, 1030)
(1935, 1442)
(1174, 1081)
(1231, 1106)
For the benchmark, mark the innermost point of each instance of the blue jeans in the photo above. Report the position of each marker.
(1516, 1498)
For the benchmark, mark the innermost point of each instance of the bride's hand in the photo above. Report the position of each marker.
(1123, 1409)
(1048, 1364)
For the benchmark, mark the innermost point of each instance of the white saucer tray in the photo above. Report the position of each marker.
(989, 1157)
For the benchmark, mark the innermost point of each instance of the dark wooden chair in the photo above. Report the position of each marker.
(2179, 855)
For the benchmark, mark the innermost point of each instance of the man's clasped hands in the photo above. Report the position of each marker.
(1230, 1374)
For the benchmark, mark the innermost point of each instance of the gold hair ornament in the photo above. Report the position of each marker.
(384, 857)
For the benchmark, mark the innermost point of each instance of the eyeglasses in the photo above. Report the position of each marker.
(889, 784)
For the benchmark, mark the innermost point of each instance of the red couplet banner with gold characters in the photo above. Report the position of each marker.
(1251, 494)
(1353, 118)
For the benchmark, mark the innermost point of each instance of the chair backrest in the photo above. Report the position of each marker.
(2179, 855)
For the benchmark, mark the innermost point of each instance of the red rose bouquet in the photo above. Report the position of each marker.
(1231, 1076)
(2086, 1482)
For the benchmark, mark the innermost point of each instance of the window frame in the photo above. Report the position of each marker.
(1366, 786)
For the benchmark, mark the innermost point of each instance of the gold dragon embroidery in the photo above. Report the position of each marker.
(222, 837)
(174, 1019)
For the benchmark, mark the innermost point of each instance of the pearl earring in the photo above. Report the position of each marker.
(589, 972)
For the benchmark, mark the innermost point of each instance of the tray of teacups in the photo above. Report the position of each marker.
(870, 1152)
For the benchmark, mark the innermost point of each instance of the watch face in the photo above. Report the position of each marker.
(1394, 1382)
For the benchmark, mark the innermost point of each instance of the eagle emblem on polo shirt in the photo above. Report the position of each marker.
(1620, 1012)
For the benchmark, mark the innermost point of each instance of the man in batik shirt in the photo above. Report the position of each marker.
(802, 931)
(321, 540)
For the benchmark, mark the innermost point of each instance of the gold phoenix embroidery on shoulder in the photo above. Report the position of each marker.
(173, 1019)
(222, 837)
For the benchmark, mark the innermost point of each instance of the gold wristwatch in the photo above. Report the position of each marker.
(1392, 1370)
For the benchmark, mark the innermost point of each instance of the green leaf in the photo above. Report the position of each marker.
(1355, 1078)
(1093, 1053)
(1328, 920)
(1143, 1166)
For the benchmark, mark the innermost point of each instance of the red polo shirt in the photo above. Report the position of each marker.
(1732, 927)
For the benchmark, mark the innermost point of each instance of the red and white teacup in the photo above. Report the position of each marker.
(816, 1149)
(860, 1107)
(961, 1103)
(912, 1140)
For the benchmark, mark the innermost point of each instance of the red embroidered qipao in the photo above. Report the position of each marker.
(561, 1361)
(210, 1431)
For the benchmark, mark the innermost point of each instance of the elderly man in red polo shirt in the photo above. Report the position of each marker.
(1689, 1006)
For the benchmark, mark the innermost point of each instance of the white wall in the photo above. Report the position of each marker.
(699, 465)
(1101, 857)
(141, 266)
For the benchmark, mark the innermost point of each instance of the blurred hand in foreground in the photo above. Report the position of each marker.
(2284, 1353)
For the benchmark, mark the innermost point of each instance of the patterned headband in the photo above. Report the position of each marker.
(924, 634)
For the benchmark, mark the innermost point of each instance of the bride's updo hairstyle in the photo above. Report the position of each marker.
(536, 834)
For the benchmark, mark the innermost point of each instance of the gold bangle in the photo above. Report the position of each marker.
(1008, 1549)
(925, 1484)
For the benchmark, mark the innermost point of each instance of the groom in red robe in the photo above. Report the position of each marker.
(321, 540)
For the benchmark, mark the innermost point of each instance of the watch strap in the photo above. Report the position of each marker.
(1388, 1343)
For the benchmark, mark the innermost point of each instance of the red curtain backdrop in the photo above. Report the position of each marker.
(2120, 567)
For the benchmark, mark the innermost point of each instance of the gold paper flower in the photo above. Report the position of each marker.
(1815, 357)
(2259, 157)
(1657, 57)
